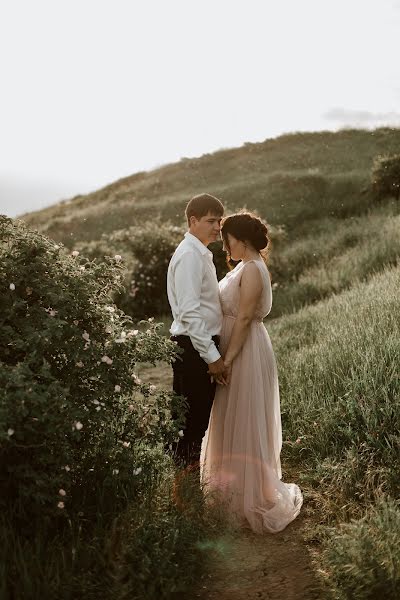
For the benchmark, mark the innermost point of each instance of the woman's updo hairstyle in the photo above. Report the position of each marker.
(247, 227)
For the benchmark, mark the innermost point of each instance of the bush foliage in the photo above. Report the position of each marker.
(386, 176)
(72, 409)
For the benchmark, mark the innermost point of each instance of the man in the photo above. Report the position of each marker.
(193, 294)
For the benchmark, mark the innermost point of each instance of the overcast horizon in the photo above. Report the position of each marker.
(94, 92)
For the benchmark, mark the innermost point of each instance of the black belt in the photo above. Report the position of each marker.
(186, 338)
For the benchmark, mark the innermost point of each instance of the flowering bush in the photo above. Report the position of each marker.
(74, 417)
(152, 246)
(145, 252)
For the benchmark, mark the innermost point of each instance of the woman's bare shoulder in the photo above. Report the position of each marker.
(251, 274)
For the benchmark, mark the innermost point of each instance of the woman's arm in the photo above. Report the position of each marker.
(251, 287)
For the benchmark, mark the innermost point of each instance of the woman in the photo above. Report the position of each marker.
(240, 455)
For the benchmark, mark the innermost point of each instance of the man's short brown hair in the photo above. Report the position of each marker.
(202, 204)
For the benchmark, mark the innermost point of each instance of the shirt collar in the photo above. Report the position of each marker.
(197, 243)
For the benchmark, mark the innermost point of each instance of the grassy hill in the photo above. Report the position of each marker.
(290, 180)
(313, 188)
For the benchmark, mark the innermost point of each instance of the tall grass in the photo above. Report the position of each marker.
(363, 557)
(334, 257)
(340, 388)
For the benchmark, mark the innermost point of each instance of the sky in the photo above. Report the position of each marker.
(95, 90)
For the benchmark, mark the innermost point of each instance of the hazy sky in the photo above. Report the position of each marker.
(94, 90)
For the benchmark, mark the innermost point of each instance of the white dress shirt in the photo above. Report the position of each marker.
(193, 294)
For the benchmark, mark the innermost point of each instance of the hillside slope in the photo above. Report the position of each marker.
(290, 180)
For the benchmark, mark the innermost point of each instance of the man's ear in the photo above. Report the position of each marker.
(192, 221)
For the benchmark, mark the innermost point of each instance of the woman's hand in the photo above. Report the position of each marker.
(228, 371)
(224, 378)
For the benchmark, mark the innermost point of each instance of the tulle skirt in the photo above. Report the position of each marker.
(240, 454)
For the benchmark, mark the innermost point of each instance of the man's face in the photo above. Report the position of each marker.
(206, 229)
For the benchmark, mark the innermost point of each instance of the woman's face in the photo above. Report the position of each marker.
(235, 248)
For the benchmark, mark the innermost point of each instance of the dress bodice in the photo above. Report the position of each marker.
(229, 290)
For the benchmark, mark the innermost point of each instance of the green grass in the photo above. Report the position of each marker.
(363, 557)
(340, 389)
(334, 256)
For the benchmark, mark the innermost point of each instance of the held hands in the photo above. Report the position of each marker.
(217, 371)
(220, 371)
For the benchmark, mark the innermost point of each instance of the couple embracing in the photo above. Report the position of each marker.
(227, 370)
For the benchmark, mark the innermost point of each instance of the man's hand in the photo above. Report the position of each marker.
(217, 370)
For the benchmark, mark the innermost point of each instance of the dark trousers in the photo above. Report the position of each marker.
(192, 381)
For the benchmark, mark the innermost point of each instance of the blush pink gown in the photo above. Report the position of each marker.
(240, 454)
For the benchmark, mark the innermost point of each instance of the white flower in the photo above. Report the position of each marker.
(108, 329)
(117, 388)
(79, 364)
(75, 253)
(115, 471)
(78, 425)
(96, 402)
(152, 388)
(126, 444)
(53, 312)
(131, 407)
(56, 247)
(106, 359)
(98, 408)
(10, 431)
(67, 468)
(132, 333)
(61, 505)
(62, 492)
(118, 257)
(82, 268)
(12, 286)
(180, 433)
(137, 471)
(151, 319)
(110, 309)
(136, 379)
(86, 336)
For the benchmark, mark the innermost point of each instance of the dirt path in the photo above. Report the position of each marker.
(271, 567)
